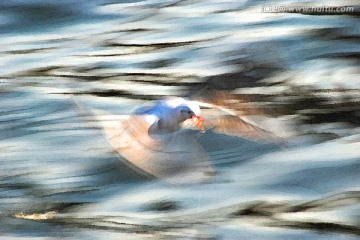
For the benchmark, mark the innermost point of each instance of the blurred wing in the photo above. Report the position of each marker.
(176, 157)
(129, 133)
(224, 113)
(236, 126)
(212, 98)
(122, 131)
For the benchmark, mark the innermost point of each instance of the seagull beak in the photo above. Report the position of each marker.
(198, 122)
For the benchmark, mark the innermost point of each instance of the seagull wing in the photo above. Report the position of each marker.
(175, 157)
(228, 113)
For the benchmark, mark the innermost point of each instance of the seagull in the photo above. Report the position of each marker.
(155, 139)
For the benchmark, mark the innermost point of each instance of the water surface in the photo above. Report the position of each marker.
(301, 69)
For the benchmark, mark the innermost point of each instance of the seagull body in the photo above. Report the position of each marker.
(153, 141)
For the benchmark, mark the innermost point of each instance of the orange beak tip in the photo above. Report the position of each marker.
(198, 122)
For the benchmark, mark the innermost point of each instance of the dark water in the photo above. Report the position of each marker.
(301, 69)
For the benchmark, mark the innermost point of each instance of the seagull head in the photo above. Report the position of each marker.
(184, 113)
(186, 109)
(187, 113)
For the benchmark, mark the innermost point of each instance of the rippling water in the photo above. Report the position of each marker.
(60, 178)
